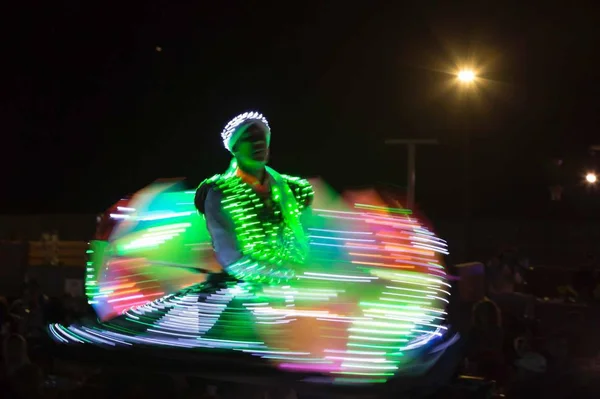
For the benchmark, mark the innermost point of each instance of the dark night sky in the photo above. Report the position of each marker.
(92, 111)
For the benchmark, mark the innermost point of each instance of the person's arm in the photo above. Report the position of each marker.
(225, 244)
(307, 196)
(304, 193)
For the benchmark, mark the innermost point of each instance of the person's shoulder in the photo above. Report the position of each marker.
(205, 188)
(215, 188)
(294, 181)
(209, 183)
(302, 189)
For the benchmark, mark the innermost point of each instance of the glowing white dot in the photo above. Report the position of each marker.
(591, 178)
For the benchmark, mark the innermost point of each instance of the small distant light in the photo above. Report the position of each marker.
(158, 49)
(591, 178)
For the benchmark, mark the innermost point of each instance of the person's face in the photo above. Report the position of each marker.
(252, 149)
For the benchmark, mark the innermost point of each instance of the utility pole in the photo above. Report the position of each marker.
(411, 164)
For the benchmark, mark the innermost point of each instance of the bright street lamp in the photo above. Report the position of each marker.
(591, 178)
(466, 75)
(466, 80)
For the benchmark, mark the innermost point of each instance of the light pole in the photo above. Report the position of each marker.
(467, 78)
(411, 164)
(591, 178)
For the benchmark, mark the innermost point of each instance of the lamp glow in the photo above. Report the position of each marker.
(591, 178)
(466, 75)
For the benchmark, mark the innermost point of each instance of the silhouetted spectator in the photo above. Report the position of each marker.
(505, 272)
(34, 302)
(14, 354)
(487, 340)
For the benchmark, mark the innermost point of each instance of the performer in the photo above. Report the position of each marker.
(254, 214)
(367, 303)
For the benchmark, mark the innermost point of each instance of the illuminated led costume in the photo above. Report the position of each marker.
(345, 287)
(256, 236)
(255, 228)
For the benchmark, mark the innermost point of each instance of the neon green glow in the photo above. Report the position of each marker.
(346, 289)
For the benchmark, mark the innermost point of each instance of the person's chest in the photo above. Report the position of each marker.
(259, 199)
(267, 210)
